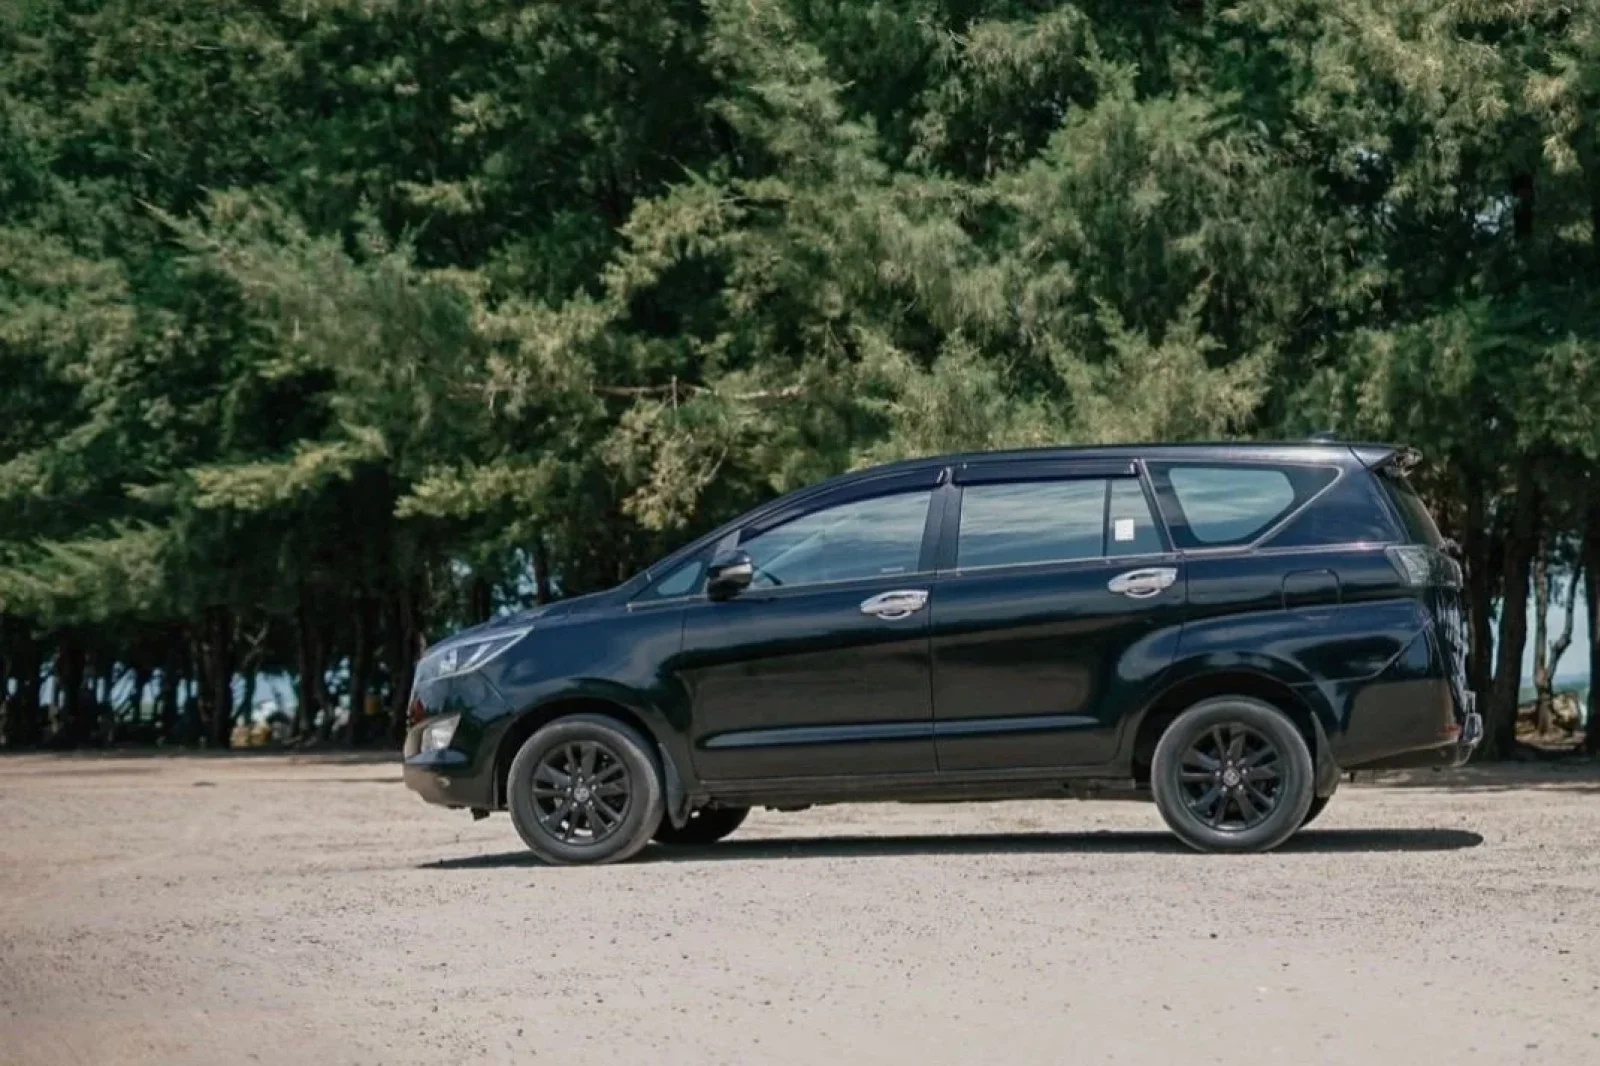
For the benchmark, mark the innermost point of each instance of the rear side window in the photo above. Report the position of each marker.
(1031, 522)
(1130, 527)
(1023, 523)
(1219, 506)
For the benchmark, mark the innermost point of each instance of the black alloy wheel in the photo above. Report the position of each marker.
(581, 791)
(1230, 777)
(1233, 774)
(585, 789)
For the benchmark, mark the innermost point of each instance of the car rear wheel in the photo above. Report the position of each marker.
(585, 789)
(1233, 774)
(705, 826)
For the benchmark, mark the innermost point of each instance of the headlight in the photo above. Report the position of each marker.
(461, 656)
(438, 735)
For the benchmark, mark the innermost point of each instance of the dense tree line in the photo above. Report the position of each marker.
(329, 325)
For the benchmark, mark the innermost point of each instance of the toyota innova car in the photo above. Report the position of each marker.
(1220, 628)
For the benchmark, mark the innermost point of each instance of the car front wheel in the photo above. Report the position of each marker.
(1318, 805)
(1233, 774)
(585, 789)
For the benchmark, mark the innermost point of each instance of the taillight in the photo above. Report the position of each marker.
(1425, 567)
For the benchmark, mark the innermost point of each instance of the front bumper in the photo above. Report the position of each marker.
(445, 778)
(461, 775)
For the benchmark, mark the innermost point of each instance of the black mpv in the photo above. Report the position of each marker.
(1223, 628)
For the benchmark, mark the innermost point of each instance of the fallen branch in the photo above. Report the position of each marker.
(678, 388)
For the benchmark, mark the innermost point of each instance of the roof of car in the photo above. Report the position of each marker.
(1323, 450)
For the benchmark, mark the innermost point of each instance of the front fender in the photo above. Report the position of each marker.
(648, 710)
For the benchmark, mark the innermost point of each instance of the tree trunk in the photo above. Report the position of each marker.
(1591, 602)
(1477, 553)
(1543, 696)
(142, 674)
(218, 676)
(1500, 720)
(197, 701)
(1564, 641)
(482, 599)
(75, 723)
(167, 701)
(361, 667)
(308, 685)
(105, 711)
(541, 569)
(23, 725)
(6, 645)
(404, 638)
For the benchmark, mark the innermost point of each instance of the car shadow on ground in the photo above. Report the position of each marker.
(1312, 841)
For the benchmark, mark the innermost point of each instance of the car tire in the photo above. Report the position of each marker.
(584, 790)
(1318, 805)
(1210, 776)
(705, 826)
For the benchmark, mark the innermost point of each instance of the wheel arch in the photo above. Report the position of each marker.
(607, 705)
(1299, 702)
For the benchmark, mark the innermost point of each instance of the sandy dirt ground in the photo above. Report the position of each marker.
(276, 910)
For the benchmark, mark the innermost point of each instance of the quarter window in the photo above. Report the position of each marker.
(877, 537)
(681, 582)
(1031, 522)
(1218, 506)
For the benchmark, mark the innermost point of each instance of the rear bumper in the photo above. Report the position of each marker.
(1407, 723)
(1441, 757)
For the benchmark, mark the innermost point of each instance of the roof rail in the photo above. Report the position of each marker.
(1325, 436)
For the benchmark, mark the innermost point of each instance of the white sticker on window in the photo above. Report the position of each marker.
(1122, 529)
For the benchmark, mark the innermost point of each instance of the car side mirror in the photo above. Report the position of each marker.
(729, 574)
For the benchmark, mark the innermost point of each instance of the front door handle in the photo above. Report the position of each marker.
(892, 606)
(1142, 584)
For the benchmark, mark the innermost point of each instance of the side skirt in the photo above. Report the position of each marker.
(948, 787)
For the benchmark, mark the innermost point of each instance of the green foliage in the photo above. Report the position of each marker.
(328, 326)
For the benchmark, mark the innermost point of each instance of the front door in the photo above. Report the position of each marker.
(1061, 605)
(820, 668)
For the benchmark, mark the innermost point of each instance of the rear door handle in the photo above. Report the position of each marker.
(1142, 584)
(891, 606)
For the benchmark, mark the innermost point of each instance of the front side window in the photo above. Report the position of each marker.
(681, 581)
(877, 537)
(1031, 522)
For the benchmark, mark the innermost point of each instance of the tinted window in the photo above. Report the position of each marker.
(1420, 527)
(1225, 505)
(1212, 505)
(1031, 522)
(1349, 512)
(1130, 527)
(681, 581)
(877, 537)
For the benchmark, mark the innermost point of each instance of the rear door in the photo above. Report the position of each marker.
(1057, 605)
